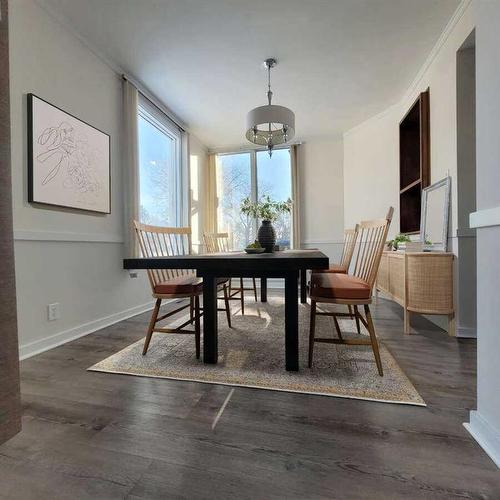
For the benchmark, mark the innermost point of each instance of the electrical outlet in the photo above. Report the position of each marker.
(54, 311)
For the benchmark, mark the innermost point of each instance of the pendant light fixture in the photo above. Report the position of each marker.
(270, 125)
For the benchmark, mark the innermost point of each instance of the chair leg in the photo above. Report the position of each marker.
(337, 327)
(151, 326)
(356, 317)
(197, 329)
(311, 332)
(226, 302)
(242, 297)
(254, 290)
(350, 311)
(373, 339)
(191, 310)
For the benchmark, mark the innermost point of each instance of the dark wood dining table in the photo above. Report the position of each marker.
(287, 264)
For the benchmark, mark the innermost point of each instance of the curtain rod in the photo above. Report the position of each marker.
(245, 149)
(154, 100)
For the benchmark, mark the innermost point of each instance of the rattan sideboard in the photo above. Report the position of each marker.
(421, 282)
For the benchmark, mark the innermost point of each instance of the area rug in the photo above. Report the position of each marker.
(251, 354)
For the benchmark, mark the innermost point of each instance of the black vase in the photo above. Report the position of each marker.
(267, 236)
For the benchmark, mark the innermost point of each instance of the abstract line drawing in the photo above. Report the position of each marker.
(64, 152)
(68, 160)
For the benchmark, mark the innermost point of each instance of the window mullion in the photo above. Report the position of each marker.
(254, 191)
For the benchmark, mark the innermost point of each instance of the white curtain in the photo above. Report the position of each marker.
(131, 165)
(186, 181)
(294, 162)
(210, 205)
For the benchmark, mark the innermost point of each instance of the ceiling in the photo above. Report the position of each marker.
(339, 61)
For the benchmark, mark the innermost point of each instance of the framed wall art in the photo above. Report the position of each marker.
(69, 163)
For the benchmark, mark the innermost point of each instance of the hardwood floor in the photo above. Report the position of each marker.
(96, 435)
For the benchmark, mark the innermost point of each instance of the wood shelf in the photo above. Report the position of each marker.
(413, 184)
(414, 162)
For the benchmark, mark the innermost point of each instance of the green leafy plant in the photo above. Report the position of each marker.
(400, 238)
(266, 209)
(255, 244)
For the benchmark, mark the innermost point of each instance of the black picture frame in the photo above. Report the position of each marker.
(32, 163)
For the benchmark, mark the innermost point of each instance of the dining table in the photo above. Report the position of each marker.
(287, 264)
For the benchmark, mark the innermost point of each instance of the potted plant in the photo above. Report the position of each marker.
(400, 238)
(267, 211)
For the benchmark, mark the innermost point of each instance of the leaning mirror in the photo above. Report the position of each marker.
(434, 215)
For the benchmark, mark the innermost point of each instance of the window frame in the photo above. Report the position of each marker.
(158, 119)
(254, 180)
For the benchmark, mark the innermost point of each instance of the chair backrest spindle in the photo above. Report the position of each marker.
(372, 236)
(350, 238)
(157, 241)
(216, 242)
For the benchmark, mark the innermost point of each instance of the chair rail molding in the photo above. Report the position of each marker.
(485, 218)
(63, 236)
(321, 242)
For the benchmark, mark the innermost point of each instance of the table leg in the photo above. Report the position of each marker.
(263, 289)
(303, 286)
(291, 322)
(209, 319)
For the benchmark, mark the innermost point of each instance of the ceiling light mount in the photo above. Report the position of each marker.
(270, 125)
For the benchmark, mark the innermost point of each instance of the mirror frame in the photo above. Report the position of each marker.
(446, 182)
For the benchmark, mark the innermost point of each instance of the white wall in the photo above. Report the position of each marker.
(69, 257)
(322, 195)
(371, 170)
(485, 422)
(371, 150)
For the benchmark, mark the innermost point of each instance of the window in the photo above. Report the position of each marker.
(234, 183)
(274, 179)
(252, 174)
(160, 171)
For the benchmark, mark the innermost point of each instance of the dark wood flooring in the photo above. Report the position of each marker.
(96, 435)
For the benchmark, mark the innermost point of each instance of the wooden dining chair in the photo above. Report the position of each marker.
(354, 290)
(350, 239)
(155, 241)
(219, 243)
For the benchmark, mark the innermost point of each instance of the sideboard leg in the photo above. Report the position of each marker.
(451, 325)
(407, 321)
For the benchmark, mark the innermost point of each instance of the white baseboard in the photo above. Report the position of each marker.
(487, 437)
(38, 346)
(466, 332)
(42, 345)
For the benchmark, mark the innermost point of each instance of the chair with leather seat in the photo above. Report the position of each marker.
(156, 241)
(352, 290)
(350, 239)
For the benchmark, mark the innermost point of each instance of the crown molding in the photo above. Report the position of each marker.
(457, 15)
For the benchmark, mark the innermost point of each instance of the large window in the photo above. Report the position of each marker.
(160, 172)
(253, 175)
(234, 183)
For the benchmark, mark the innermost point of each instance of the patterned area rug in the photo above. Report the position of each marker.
(251, 354)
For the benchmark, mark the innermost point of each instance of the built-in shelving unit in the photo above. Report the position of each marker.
(414, 162)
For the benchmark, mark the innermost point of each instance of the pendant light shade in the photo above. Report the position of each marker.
(270, 125)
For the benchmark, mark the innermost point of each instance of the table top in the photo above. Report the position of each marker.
(287, 260)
